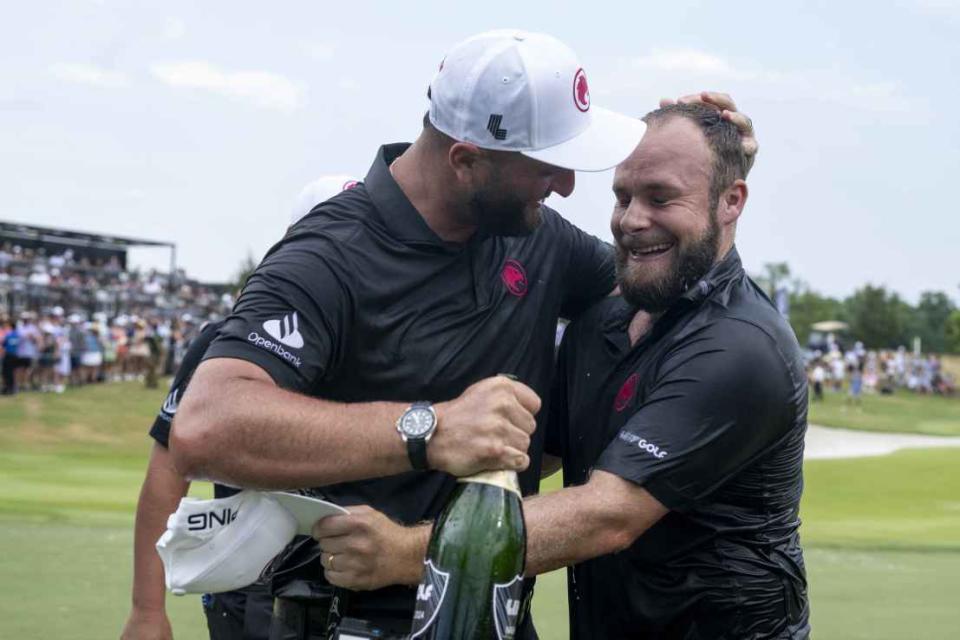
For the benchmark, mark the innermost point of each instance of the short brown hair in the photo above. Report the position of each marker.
(729, 160)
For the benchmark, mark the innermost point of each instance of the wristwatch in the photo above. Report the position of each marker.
(416, 425)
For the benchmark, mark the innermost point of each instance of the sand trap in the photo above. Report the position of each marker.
(828, 442)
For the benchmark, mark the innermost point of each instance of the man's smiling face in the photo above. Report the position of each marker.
(664, 225)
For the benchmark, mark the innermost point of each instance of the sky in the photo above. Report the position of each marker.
(199, 122)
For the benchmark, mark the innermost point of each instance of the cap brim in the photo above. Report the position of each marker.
(306, 510)
(607, 142)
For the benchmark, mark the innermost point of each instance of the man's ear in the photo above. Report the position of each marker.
(732, 201)
(463, 158)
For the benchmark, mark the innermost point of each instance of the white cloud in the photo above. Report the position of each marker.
(88, 74)
(261, 88)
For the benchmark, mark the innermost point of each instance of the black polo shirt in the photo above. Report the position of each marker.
(362, 301)
(160, 431)
(708, 413)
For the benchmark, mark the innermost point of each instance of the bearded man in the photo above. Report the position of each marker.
(679, 411)
(680, 414)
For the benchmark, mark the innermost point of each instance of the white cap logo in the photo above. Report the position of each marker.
(581, 92)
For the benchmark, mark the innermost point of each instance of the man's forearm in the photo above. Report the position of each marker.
(575, 524)
(236, 426)
(251, 433)
(159, 497)
(563, 528)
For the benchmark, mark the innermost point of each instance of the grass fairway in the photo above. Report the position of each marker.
(882, 535)
(903, 412)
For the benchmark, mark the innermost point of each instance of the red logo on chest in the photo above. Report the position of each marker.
(514, 278)
(625, 395)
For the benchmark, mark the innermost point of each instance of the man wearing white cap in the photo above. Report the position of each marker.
(441, 271)
(679, 410)
(233, 614)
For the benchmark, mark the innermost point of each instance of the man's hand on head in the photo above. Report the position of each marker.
(728, 111)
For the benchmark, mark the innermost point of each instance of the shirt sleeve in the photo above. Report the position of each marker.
(292, 316)
(720, 399)
(590, 270)
(160, 431)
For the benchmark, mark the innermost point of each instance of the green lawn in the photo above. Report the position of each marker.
(882, 535)
(903, 412)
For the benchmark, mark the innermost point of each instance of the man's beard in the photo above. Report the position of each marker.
(686, 269)
(498, 214)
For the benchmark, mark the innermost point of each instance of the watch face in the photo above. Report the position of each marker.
(417, 422)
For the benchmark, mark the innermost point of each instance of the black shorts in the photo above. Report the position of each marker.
(239, 615)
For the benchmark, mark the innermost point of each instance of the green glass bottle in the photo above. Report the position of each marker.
(473, 575)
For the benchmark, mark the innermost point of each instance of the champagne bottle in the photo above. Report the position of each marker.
(473, 575)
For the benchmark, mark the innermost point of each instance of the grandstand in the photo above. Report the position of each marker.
(87, 273)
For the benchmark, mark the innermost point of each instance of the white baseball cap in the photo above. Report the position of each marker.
(211, 546)
(323, 188)
(306, 510)
(518, 91)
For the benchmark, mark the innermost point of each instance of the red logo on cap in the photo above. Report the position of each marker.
(514, 277)
(349, 184)
(581, 92)
(625, 395)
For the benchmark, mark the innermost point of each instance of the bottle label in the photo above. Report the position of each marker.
(507, 598)
(430, 596)
(504, 479)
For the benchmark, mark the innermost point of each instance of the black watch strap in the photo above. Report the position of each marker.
(417, 447)
(417, 450)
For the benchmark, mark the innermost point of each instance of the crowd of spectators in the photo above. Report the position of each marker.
(857, 371)
(81, 319)
(63, 278)
(51, 351)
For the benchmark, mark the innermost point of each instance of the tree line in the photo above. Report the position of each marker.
(877, 316)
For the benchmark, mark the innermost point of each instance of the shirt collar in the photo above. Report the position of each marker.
(720, 274)
(713, 284)
(615, 322)
(397, 212)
